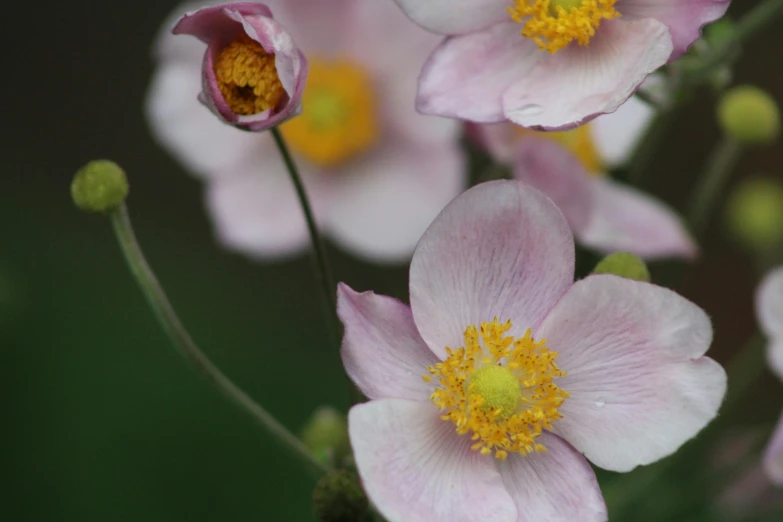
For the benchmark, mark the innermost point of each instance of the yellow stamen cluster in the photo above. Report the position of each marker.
(247, 77)
(338, 120)
(579, 141)
(499, 388)
(553, 24)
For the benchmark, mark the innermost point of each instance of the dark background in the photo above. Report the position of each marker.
(102, 419)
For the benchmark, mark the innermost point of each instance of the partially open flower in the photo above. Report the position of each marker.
(549, 64)
(253, 75)
(489, 391)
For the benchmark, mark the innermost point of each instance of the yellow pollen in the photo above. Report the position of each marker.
(553, 24)
(578, 141)
(338, 120)
(499, 388)
(247, 77)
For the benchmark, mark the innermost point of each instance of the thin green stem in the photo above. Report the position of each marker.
(184, 343)
(709, 186)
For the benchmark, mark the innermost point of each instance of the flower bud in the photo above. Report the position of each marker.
(339, 497)
(754, 213)
(253, 74)
(326, 435)
(624, 265)
(749, 115)
(99, 186)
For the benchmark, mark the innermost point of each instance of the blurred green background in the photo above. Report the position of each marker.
(102, 419)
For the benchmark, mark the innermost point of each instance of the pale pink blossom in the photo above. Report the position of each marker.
(486, 71)
(769, 310)
(375, 199)
(604, 368)
(570, 167)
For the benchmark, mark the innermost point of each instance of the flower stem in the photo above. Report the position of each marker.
(184, 343)
(709, 186)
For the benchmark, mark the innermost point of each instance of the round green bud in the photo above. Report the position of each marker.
(624, 265)
(754, 214)
(99, 186)
(339, 497)
(326, 435)
(749, 115)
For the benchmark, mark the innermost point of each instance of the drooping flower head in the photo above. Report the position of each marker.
(549, 64)
(377, 172)
(570, 167)
(488, 390)
(769, 310)
(253, 74)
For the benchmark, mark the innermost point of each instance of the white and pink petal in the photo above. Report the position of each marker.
(455, 16)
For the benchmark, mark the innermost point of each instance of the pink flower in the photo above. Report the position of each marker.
(377, 172)
(252, 73)
(769, 309)
(549, 64)
(488, 390)
(570, 168)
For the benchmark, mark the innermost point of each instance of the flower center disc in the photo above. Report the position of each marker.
(338, 120)
(247, 77)
(500, 388)
(553, 24)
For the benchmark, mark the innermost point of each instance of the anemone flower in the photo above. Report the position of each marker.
(489, 394)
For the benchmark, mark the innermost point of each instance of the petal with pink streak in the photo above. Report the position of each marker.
(773, 456)
(685, 18)
(467, 76)
(556, 486)
(217, 21)
(254, 206)
(617, 134)
(554, 170)
(455, 16)
(625, 219)
(578, 83)
(382, 351)
(383, 204)
(501, 249)
(415, 468)
(638, 382)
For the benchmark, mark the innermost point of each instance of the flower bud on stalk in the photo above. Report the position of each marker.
(100, 186)
(253, 74)
(624, 265)
(326, 435)
(749, 115)
(754, 214)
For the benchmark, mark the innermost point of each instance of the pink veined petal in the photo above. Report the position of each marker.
(254, 207)
(578, 83)
(455, 16)
(168, 46)
(639, 384)
(501, 249)
(769, 303)
(219, 21)
(625, 219)
(383, 204)
(617, 134)
(685, 18)
(415, 468)
(773, 456)
(554, 170)
(466, 76)
(382, 351)
(556, 486)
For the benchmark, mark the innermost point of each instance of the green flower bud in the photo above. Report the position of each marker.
(749, 115)
(339, 497)
(754, 214)
(326, 435)
(99, 186)
(624, 265)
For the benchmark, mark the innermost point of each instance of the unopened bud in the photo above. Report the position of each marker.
(326, 435)
(749, 115)
(339, 497)
(624, 265)
(754, 214)
(99, 186)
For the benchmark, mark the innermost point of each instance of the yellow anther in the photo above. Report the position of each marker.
(499, 388)
(338, 120)
(553, 24)
(247, 77)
